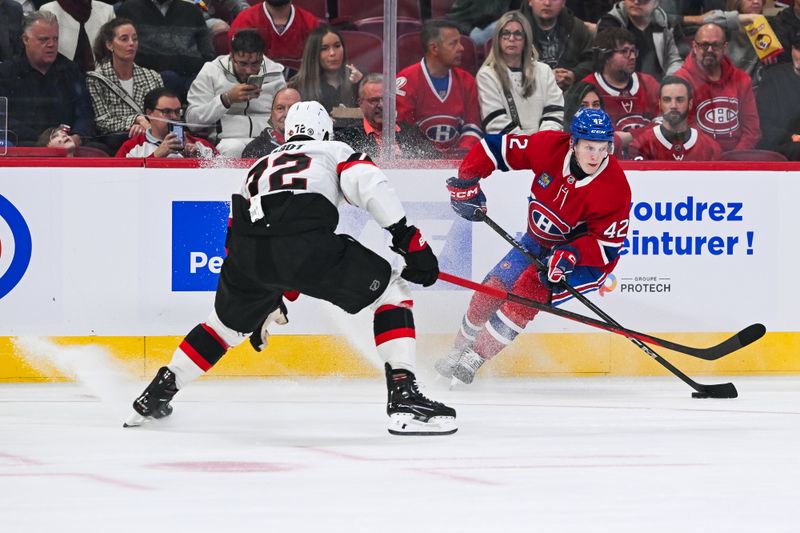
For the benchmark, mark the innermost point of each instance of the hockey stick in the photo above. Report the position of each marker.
(741, 339)
(723, 390)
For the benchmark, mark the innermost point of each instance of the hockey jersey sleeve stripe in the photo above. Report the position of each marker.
(493, 144)
(353, 160)
(472, 129)
(491, 116)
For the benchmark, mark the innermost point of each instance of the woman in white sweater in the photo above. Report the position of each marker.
(517, 93)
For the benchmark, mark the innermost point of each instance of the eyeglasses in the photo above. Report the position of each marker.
(509, 35)
(714, 47)
(627, 52)
(167, 112)
(245, 64)
(373, 101)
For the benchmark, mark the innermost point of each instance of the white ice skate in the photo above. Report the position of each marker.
(468, 364)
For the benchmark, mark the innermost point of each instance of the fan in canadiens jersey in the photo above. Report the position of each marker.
(577, 220)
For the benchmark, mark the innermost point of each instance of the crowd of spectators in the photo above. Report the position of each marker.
(203, 78)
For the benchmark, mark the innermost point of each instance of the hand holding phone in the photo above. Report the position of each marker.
(256, 80)
(177, 129)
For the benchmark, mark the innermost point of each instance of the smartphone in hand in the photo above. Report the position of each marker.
(177, 129)
(256, 79)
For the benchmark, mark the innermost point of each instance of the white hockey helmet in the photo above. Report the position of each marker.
(309, 118)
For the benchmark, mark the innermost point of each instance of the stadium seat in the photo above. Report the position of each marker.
(364, 50)
(318, 8)
(409, 51)
(374, 25)
(752, 155)
(350, 10)
(35, 151)
(439, 8)
(221, 43)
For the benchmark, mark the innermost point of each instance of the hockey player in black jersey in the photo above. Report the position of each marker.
(282, 238)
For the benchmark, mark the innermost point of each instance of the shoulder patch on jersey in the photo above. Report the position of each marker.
(401, 82)
(544, 180)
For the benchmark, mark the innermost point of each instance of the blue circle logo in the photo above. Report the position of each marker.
(20, 248)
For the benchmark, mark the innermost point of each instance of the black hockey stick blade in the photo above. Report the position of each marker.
(723, 390)
(747, 336)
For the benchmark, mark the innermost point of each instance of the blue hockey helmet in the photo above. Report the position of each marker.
(592, 125)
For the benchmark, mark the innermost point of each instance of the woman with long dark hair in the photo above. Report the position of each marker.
(324, 74)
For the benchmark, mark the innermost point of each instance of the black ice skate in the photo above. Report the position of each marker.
(410, 412)
(154, 401)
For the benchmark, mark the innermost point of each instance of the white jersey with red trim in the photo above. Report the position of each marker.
(591, 214)
(630, 108)
(329, 168)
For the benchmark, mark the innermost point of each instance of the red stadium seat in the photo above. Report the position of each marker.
(374, 25)
(409, 51)
(318, 8)
(439, 8)
(752, 155)
(359, 9)
(35, 151)
(364, 50)
(221, 43)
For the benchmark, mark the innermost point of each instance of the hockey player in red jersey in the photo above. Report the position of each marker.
(436, 95)
(282, 238)
(674, 139)
(577, 220)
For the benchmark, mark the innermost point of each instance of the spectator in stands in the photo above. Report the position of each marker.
(630, 97)
(220, 13)
(786, 24)
(581, 94)
(724, 105)
(79, 23)
(223, 95)
(44, 88)
(674, 139)
(517, 93)
(283, 26)
(164, 108)
(436, 95)
(118, 85)
(590, 10)
(779, 105)
(478, 18)
(58, 137)
(10, 29)
(273, 135)
(654, 37)
(410, 143)
(324, 74)
(173, 39)
(561, 39)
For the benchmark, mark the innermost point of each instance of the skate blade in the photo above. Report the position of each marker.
(135, 420)
(455, 383)
(406, 424)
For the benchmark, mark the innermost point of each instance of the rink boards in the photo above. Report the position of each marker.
(127, 257)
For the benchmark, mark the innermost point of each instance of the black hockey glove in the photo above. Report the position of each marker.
(421, 265)
(466, 197)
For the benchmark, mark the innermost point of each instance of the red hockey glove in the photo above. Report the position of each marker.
(422, 266)
(560, 263)
(466, 197)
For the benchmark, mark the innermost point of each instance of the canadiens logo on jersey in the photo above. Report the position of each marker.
(718, 115)
(544, 180)
(545, 224)
(631, 122)
(441, 129)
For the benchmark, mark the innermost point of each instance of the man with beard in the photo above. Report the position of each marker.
(283, 27)
(674, 139)
(724, 104)
(629, 97)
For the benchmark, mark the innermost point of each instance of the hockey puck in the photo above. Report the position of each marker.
(700, 395)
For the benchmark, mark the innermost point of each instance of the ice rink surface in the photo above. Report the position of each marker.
(533, 455)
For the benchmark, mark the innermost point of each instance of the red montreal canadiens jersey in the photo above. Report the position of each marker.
(630, 108)
(591, 214)
(286, 47)
(652, 144)
(450, 120)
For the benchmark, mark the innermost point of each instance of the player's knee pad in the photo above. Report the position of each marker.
(397, 293)
(227, 335)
